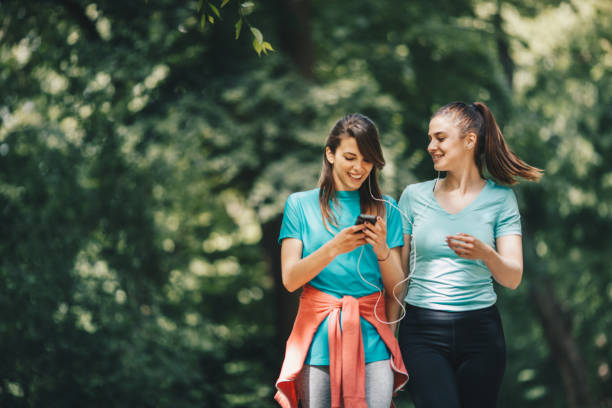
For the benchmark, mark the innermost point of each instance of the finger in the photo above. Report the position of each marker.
(371, 234)
(357, 228)
(461, 244)
(460, 253)
(369, 227)
(456, 238)
(462, 237)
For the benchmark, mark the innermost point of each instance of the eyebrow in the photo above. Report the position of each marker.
(437, 134)
(351, 153)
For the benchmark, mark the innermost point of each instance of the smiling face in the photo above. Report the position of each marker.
(449, 150)
(349, 167)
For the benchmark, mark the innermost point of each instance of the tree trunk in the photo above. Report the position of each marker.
(295, 34)
(503, 47)
(564, 350)
(286, 303)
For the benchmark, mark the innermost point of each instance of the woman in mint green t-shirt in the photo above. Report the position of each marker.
(461, 233)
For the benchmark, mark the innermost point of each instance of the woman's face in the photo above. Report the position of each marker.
(449, 151)
(349, 167)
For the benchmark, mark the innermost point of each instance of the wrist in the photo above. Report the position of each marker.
(489, 254)
(385, 255)
(331, 250)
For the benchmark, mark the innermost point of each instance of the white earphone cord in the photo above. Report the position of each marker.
(413, 242)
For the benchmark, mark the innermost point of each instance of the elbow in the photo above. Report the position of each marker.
(289, 285)
(289, 288)
(514, 284)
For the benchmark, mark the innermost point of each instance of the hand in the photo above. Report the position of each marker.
(468, 247)
(376, 235)
(348, 239)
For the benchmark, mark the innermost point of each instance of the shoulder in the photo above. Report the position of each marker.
(501, 199)
(302, 196)
(499, 192)
(302, 199)
(416, 189)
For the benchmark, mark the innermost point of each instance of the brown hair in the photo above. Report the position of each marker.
(491, 151)
(365, 133)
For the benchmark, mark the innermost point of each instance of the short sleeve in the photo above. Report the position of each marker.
(395, 238)
(291, 226)
(509, 218)
(405, 206)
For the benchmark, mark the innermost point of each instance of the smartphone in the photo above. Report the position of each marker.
(366, 218)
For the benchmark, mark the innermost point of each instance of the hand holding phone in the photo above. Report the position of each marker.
(362, 218)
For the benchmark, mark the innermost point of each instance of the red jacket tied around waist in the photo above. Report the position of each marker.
(346, 356)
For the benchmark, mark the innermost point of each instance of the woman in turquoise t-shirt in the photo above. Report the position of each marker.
(322, 247)
(461, 232)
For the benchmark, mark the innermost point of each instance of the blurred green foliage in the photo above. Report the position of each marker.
(145, 159)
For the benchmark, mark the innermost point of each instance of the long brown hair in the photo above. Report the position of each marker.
(365, 133)
(492, 151)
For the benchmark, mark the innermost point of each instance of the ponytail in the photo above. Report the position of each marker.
(492, 151)
(500, 161)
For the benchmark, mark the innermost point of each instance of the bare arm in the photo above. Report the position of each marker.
(505, 264)
(392, 274)
(393, 307)
(297, 271)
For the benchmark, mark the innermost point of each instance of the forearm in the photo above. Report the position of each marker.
(391, 270)
(506, 271)
(304, 270)
(393, 308)
(392, 274)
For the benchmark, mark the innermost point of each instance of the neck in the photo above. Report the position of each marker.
(463, 181)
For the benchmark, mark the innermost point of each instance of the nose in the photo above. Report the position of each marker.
(431, 147)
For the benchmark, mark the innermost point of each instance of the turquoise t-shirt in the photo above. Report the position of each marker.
(442, 280)
(303, 220)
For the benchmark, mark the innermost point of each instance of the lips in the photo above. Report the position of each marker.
(356, 178)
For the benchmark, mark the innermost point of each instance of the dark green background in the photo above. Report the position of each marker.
(145, 161)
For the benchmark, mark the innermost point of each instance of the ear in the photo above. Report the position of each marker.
(329, 155)
(470, 140)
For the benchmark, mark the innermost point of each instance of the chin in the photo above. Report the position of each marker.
(439, 167)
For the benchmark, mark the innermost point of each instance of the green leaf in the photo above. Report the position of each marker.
(267, 46)
(203, 22)
(211, 19)
(247, 7)
(238, 28)
(257, 46)
(215, 10)
(224, 3)
(258, 35)
(200, 4)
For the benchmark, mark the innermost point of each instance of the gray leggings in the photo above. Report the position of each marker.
(314, 390)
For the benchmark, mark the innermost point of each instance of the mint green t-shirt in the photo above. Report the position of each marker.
(303, 220)
(442, 280)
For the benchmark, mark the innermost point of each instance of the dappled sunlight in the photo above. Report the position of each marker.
(147, 155)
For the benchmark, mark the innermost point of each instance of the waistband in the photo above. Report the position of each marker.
(443, 315)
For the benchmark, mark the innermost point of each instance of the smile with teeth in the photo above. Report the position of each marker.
(436, 156)
(355, 177)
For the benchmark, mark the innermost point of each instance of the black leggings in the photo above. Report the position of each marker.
(454, 359)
